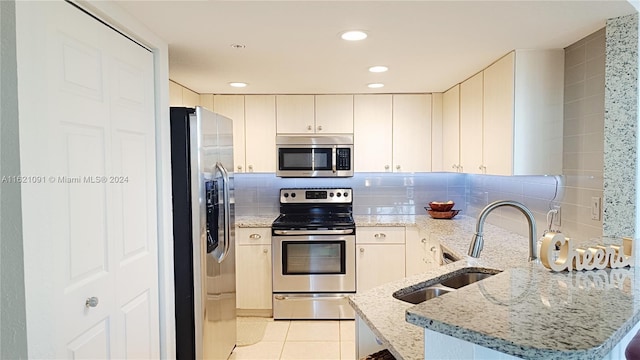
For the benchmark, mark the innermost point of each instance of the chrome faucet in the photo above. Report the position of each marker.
(477, 241)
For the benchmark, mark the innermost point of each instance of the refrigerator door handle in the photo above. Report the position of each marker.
(227, 211)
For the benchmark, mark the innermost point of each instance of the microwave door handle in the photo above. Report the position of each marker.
(333, 159)
(226, 211)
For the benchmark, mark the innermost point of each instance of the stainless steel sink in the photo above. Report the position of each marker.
(421, 295)
(464, 279)
(447, 283)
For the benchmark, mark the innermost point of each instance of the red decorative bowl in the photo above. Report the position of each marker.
(441, 206)
(443, 214)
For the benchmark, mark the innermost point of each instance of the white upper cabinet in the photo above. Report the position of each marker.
(232, 106)
(295, 114)
(523, 113)
(319, 114)
(260, 133)
(181, 96)
(334, 114)
(372, 133)
(451, 129)
(412, 133)
(510, 116)
(471, 125)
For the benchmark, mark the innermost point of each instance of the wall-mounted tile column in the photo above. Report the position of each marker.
(621, 127)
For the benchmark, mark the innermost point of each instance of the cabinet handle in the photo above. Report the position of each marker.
(386, 167)
(250, 168)
(265, 251)
(239, 168)
(483, 169)
(91, 302)
(397, 167)
(380, 235)
(424, 241)
(255, 236)
(319, 127)
(433, 249)
(459, 168)
(309, 127)
(454, 166)
(361, 250)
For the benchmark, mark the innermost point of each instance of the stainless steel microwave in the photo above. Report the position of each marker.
(314, 155)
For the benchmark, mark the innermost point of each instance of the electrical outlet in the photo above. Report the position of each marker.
(557, 216)
(595, 208)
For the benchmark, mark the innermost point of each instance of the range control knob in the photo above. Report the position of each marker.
(338, 194)
(330, 194)
(346, 194)
(286, 195)
(293, 195)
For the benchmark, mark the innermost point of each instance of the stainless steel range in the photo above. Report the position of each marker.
(314, 261)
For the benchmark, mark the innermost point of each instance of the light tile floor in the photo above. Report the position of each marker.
(299, 340)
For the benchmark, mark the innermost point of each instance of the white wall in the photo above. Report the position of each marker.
(13, 339)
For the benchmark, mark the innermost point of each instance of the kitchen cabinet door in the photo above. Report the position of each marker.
(260, 133)
(498, 116)
(253, 271)
(232, 106)
(523, 113)
(253, 277)
(412, 133)
(372, 127)
(471, 125)
(378, 264)
(436, 133)
(422, 252)
(451, 129)
(295, 114)
(334, 114)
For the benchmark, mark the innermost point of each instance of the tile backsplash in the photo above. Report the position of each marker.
(409, 193)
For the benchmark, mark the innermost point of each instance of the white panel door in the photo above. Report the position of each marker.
(87, 130)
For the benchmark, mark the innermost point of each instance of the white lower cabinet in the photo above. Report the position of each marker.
(253, 271)
(422, 251)
(380, 256)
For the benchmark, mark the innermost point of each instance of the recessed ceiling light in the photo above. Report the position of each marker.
(353, 35)
(375, 85)
(238, 46)
(238, 84)
(378, 69)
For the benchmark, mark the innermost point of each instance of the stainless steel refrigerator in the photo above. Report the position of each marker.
(203, 232)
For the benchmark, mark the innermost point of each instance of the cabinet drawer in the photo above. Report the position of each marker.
(253, 236)
(380, 235)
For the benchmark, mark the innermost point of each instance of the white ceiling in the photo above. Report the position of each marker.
(294, 46)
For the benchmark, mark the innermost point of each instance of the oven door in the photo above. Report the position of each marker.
(309, 160)
(314, 263)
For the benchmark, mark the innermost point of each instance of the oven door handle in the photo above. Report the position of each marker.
(312, 232)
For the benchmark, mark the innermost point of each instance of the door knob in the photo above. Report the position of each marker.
(250, 168)
(91, 302)
(239, 168)
(320, 128)
(361, 250)
(265, 251)
(309, 127)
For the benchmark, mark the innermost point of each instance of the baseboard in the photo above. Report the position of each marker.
(255, 312)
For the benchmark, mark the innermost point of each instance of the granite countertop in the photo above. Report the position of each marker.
(260, 221)
(525, 311)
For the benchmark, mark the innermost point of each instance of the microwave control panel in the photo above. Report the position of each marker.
(343, 159)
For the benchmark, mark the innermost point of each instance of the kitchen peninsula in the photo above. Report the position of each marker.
(525, 311)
